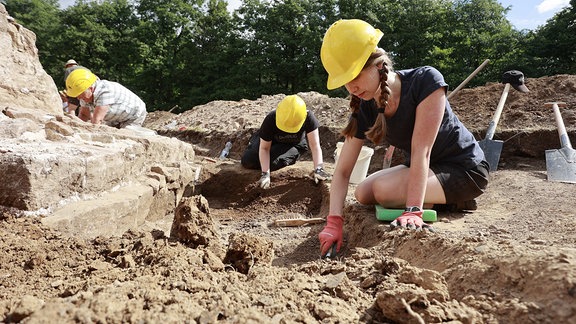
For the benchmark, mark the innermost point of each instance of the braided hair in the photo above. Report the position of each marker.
(378, 131)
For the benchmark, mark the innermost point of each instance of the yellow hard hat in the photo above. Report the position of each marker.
(291, 114)
(346, 47)
(78, 81)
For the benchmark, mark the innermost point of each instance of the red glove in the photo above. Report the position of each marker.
(331, 234)
(411, 220)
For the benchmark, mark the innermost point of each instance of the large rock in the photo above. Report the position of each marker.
(23, 81)
(86, 180)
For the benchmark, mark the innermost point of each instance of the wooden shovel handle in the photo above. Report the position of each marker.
(451, 94)
(564, 140)
(492, 127)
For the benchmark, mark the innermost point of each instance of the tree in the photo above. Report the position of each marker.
(479, 30)
(165, 28)
(209, 57)
(100, 36)
(552, 46)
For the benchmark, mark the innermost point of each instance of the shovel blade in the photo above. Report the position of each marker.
(561, 165)
(492, 150)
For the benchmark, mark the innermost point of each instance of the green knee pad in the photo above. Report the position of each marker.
(386, 214)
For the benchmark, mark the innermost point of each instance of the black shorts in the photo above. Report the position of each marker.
(460, 184)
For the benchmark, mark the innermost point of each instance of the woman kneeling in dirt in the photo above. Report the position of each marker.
(444, 163)
(282, 138)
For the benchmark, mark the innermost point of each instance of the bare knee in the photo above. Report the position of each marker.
(364, 194)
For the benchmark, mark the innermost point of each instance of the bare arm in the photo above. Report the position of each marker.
(85, 114)
(428, 118)
(72, 108)
(264, 155)
(99, 113)
(314, 140)
(341, 177)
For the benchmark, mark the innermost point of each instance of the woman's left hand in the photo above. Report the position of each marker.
(411, 220)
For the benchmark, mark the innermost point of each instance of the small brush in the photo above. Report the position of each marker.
(297, 220)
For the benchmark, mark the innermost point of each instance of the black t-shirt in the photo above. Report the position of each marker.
(270, 132)
(454, 142)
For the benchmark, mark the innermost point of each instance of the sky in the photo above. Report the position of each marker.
(529, 14)
(524, 14)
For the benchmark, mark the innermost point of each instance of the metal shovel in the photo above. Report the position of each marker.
(561, 163)
(493, 148)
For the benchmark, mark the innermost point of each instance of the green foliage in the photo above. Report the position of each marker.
(478, 30)
(188, 52)
(551, 48)
(100, 36)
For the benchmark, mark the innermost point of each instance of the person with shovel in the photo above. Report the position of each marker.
(282, 138)
(409, 109)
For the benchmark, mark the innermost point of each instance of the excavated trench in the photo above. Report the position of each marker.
(237, 204)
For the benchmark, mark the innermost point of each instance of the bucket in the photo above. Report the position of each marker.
(362, 163)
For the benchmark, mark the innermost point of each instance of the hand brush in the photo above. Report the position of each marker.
(297, 220)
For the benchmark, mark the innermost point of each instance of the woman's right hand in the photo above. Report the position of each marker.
(411, 220)
(331, 234)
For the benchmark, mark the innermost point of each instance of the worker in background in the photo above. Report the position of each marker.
(103, 101)
(70, 104)
(281, 139)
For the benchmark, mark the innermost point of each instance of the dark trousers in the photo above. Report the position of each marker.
(281, 154)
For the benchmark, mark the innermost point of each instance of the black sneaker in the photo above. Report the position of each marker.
(457, 207)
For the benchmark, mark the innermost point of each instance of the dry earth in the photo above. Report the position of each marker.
(511, 261)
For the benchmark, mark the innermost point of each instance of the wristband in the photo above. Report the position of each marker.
(412, 209)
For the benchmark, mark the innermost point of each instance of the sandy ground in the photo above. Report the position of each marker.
(513, 260)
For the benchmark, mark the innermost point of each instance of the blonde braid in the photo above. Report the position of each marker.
(378, 131)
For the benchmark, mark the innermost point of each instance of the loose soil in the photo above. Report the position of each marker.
(513, 260)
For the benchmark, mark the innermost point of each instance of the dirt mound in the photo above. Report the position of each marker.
(522, 111)
(511, 261)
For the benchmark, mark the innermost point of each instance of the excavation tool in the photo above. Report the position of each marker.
(493, 148)
(298, 221)
(331, 254)
(561, 163)
(390, 150)
(387, 214)
(473, 74)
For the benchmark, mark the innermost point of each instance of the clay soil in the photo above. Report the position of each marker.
(513, 260)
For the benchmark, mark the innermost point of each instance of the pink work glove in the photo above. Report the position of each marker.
(331, 234)
(411, 220)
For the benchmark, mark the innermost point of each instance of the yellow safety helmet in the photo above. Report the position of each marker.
(78, 81)
(291, 114)
(346, 47)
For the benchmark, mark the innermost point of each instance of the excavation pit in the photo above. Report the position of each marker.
(238, 204)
